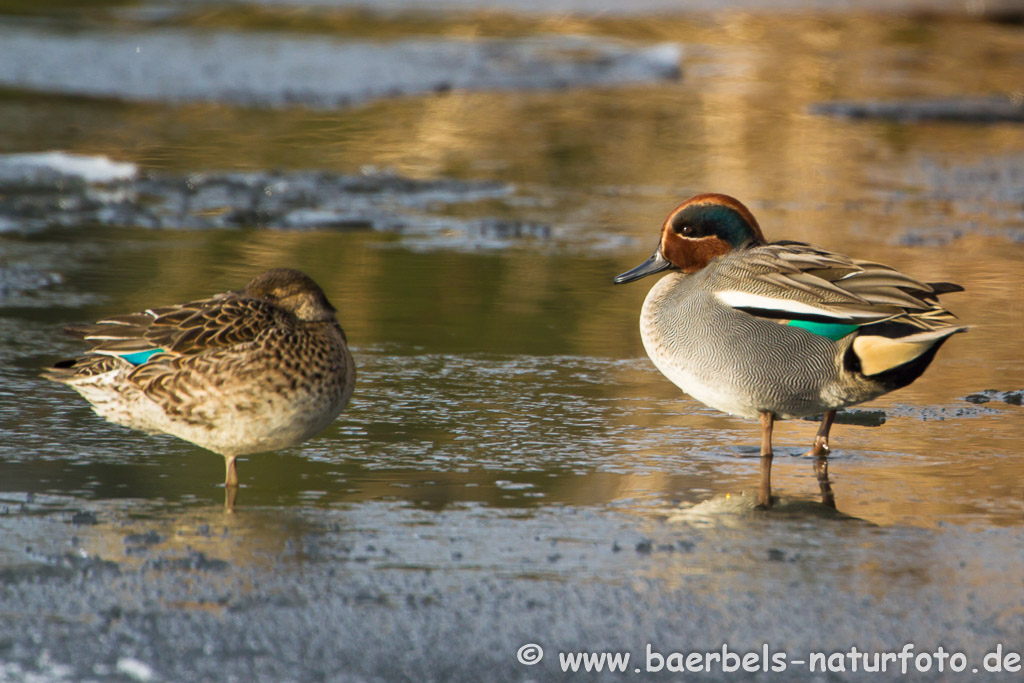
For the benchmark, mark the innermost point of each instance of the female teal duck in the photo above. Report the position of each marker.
(237, 373)
(780, 330)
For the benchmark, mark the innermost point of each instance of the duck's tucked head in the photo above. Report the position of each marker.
(293, 291)
(697, 231)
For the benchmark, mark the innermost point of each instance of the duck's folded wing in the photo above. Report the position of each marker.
(182, 330)
(793, 281)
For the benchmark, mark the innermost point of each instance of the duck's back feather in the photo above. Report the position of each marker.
(796, 281)
(188, 329)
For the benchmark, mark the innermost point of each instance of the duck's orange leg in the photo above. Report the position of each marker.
(231, 472)
(764, 496)
(820, 448)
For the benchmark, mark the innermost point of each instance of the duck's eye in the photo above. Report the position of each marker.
(686, 230)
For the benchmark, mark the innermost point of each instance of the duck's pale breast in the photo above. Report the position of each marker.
(251, 398)
(740, 364)
(276, 395)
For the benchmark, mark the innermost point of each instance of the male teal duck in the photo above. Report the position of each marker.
(238, 373)
(780, 330)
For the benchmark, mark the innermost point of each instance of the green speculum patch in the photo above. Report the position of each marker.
(834, 331)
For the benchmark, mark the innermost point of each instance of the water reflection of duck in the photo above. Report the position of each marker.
(737, 510)
(780, 330)
(238, 373)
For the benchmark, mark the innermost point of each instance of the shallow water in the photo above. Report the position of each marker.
(505, 413)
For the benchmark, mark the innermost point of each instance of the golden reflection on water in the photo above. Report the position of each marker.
(911, 470)
(255, 539)
(613, 162)
(737, 120)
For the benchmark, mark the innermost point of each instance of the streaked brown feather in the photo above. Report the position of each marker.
(84, 366)
(187, 329)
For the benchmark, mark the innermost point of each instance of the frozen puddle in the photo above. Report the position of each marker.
(275, 71)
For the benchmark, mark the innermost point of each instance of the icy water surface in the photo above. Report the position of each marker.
(512, 468)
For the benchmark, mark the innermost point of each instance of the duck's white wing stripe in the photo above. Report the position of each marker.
(746, 300)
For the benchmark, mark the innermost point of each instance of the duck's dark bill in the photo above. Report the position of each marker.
(655, 264)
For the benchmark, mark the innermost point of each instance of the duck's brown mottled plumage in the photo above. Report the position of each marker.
(237, 373)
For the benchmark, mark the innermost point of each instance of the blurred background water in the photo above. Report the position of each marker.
(507, 159)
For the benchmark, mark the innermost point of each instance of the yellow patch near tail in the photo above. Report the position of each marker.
(878, 354)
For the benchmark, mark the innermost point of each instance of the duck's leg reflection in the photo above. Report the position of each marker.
(764, 495)
(230, 483)
(230, 494)
(824, 485)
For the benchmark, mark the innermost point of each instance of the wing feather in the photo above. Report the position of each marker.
(188, 329)
(796, 281)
